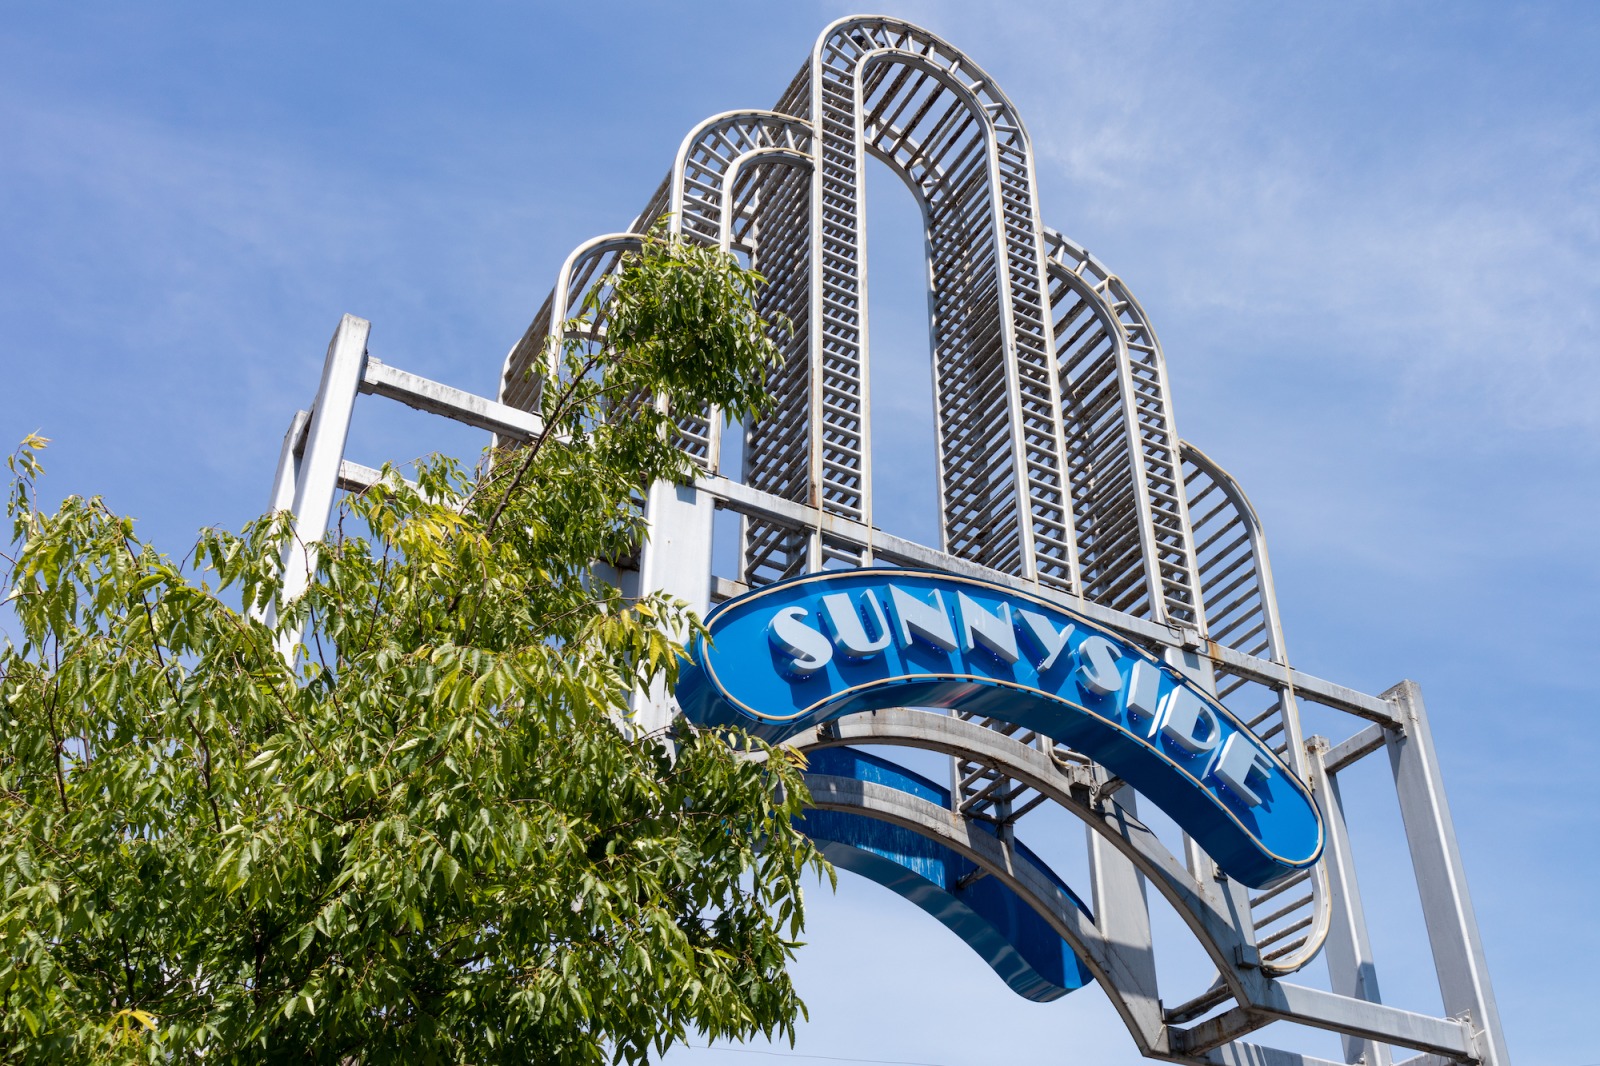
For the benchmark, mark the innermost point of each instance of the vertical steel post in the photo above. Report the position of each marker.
(816, 344)
(284, 481)
(675, 559)
(287, 476)
(1351, 970)
(1122, 912)
(1234, 896)
(1441, 879)
(318, 476)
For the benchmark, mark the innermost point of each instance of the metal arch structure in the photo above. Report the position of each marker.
(1061, 474)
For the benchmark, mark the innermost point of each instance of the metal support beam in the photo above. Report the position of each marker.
(354, 477)
(887, 548)
(1354, 748)
(1122, 912)
(318, 473)
(1240, 1053)
(1351, 970)
(1441, 878)
(1275, 1001)
(380, 379)
(675, 559)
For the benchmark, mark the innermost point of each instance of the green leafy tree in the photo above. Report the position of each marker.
(434, 839)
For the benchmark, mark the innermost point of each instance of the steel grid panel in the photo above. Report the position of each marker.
(1153, 456)
(1292, 920)
(937, 119)
(718, 180)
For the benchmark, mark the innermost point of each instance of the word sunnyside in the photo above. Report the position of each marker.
(862, 626)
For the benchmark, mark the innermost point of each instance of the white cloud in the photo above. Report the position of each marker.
(1461, 257)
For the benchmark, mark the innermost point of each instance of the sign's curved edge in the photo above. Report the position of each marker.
(701, 659)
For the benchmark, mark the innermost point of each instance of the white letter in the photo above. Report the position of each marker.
(1143, 684)
(849, 631)
(1044, 634)
(1183, 713)
(926, 620)
(790, 634)
(992, 631)
(1099, 659)
(1239, 759)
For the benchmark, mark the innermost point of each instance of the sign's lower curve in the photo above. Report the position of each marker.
(1005, 931)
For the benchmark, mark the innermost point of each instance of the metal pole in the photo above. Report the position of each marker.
(1441, 879)
(1351, 971)
(284, 481)
(1122, 911)
(319, 461)
(675, 559)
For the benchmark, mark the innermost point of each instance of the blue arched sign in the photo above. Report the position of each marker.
(797, 653)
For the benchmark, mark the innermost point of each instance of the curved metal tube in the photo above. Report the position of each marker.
(771, 131)
(546, 325)
(1168, 544)
(1313, 916)
(951, 735)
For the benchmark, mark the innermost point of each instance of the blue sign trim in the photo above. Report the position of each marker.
(1014, 939)
(791, 655)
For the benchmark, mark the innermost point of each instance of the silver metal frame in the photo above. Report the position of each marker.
(1061, 473)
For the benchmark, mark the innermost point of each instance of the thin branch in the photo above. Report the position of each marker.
(55, 732)
(539, 441)
(377, 596)
(177, 699)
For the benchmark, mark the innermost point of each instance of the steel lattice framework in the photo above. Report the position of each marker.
(1060, 472)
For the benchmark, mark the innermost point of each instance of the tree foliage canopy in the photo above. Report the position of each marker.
(431, 840)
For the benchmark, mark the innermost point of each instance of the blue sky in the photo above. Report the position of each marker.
(1368, 235)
